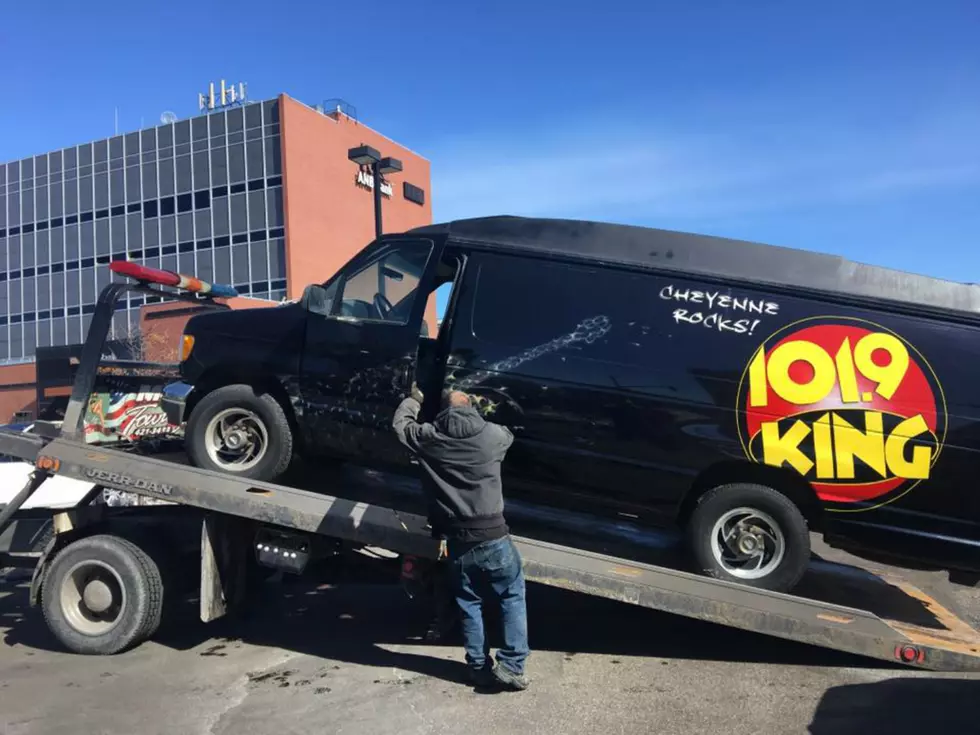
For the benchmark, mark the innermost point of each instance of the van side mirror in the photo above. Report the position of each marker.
(317, 300)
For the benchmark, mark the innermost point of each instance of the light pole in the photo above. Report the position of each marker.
(365, 155)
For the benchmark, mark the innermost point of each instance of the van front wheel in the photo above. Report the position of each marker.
(750, 534)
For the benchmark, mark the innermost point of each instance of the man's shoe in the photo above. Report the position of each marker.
(482, 678)
(510, 679)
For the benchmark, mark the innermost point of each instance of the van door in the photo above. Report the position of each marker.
(360, 348)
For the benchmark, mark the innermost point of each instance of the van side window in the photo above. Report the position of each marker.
(524, 304)
(385, 288)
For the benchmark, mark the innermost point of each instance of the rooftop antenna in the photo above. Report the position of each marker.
(168, 117)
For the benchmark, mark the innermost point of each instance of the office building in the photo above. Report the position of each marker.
(260, 195)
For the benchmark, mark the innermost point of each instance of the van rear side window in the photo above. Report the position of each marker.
(528, 304)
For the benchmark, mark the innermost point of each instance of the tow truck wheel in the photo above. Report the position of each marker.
(240, 430)
(102, 594)
(750, 534)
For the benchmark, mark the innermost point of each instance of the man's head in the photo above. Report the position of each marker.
(455, 399)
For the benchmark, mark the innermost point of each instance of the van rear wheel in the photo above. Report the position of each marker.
(750, 534)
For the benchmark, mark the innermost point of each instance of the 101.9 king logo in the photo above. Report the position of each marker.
(846, 403)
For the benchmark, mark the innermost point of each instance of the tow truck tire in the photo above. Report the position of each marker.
(750, 534)
(262, 416)
(102, 595)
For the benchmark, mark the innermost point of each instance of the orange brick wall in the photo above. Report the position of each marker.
(329, 217)
(17, 391)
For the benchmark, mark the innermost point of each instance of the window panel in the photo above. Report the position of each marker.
(27, 206)
(277, 260)
(134, 231)
(87, 232)
(43, 247)
(219, 167)
(13, 209)
(29, 295)
(27, 250)
(202, 225)
(239, 264)
(133, 193)
(16, 305)
(56, 200)
(274, 204)
(217, 123)
(236, 163)
(202, 176)
(101, 191)
(273, 156)
(101, 149)
(185, 263)
(235, 119)
(40, 165)
(58, 245)
(151, 233)
(4, 343)
(222, 265)
(149, 139)
(168, 230)
(71, 197)
(86, 200)
(259, 253)
(203, 268)
(13, 253)
(256, 210)
(59, 334)
(27, 169)
(255, 157)
(116, 147)
(184, 181)
(41, 212)
(57, 290)
(150, 181)
(239, 220)
(118, 230)
(102, 237)
(166, 177)
(117, 187)
(71, 242)
(169, 262)
(219, 212)
(182, 132)
(16, 340)
(43, 293)
(185, 227)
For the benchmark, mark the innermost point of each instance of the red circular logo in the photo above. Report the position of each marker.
(848, 404)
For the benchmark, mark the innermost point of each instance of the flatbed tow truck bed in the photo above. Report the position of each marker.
(861, 613)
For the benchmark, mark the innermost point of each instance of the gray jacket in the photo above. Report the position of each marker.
(460, 454)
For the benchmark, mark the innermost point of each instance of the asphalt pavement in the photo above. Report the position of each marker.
(349, 658)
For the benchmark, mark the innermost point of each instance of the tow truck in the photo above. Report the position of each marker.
(102, 575)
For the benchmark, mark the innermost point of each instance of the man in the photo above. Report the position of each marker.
(461, 455)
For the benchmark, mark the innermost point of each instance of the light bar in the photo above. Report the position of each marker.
(169, 278)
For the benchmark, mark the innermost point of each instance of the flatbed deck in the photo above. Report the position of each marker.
(840, 607)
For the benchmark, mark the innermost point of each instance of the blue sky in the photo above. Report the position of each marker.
(844, 127)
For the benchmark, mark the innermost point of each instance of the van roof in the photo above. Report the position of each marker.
(712, 256)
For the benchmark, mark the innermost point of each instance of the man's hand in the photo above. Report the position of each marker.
(417, 394)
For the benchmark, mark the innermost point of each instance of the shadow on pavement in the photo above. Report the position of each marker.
(896, 706)
(355, 622)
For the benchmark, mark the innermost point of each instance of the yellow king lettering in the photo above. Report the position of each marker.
(778, 449)
(868, 445)
(918, 467)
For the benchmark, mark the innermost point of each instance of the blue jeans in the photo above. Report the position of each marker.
(491, 572)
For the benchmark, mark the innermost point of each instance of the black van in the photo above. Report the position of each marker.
(745, 392)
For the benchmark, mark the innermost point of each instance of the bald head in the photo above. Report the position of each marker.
(456, 399)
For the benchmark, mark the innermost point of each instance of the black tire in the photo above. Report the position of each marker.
(279, 451)
(139, 578)
(713, 506)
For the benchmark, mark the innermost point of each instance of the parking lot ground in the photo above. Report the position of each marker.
(348, 658)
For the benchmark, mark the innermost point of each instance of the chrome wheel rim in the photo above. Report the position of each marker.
(236, 439)
(92, 598)
(747, 543)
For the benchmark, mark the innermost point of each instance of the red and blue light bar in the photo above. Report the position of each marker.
(169, 278)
